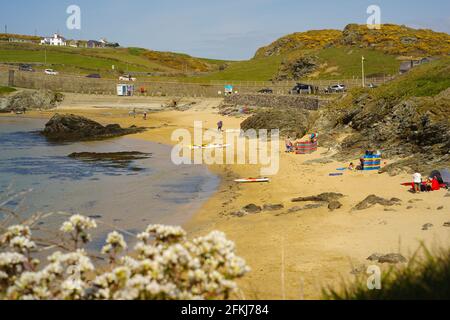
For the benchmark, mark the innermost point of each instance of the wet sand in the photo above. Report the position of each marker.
(295, 255)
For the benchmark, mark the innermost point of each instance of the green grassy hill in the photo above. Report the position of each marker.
(335, 54)
(316, 54)
(332, 63)
(391, 39)
(427, 80)
(85, 60)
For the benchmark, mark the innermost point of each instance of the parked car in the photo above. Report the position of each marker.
(337, 88)
(26, 68)
(127, 77)
(94, 76)
(51, 72)
(266, 91)
(303, 88)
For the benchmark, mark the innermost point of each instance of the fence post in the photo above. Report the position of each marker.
(11, 78)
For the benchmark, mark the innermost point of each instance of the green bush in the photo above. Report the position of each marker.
(6, 90)
(426, 277)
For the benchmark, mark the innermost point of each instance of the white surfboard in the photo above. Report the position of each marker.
(211, 146)
(252, 180)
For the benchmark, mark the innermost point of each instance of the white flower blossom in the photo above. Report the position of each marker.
(22, 244)
(78, 223)
(166, 233)
(72, 289)
(15, 231)
(115, 243)
(165, 266)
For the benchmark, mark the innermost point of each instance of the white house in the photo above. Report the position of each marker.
(56, 40)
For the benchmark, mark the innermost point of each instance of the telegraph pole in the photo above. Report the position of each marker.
(363, 72)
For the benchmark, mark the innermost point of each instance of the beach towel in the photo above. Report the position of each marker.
(411, 184)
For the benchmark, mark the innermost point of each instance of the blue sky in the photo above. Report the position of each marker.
(225, 29)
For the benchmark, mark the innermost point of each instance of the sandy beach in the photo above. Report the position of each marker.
(295, 255)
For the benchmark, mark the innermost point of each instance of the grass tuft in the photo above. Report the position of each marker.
(426, 277)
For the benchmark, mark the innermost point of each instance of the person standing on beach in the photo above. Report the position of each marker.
(134, 113)
(289, 145)
(220, 125)
(145, 115)
(417, 179)
(361, 164)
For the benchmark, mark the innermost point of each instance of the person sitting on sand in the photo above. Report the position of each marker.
(351, 167)
(428, 185)
(417, 179)
(313, 138)
(289, 145)
(435, 185)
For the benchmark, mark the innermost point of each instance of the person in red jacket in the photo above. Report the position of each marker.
(435, 185)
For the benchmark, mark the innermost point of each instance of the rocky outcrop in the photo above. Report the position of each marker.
(324, 197)
(329, 198)
(291, 122)
(75, 128)
(392, 258)
(248, 209)
(110, 156)
(177, 105)
(373, 200)
(414, 130)
(31, 100)
(112, 159)
(252, 208)
(400, 130)
(297, 69)
(273, 207)
(334, 205)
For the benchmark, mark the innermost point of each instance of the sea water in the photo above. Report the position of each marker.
(37, 176)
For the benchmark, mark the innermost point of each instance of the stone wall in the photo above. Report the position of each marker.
(83, 85)
(4, 77)
(275, 101)
(108, 86)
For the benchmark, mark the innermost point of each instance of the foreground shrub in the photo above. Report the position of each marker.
(424, 278)
(165, 265)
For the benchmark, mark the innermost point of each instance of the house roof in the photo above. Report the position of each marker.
(53, 37)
